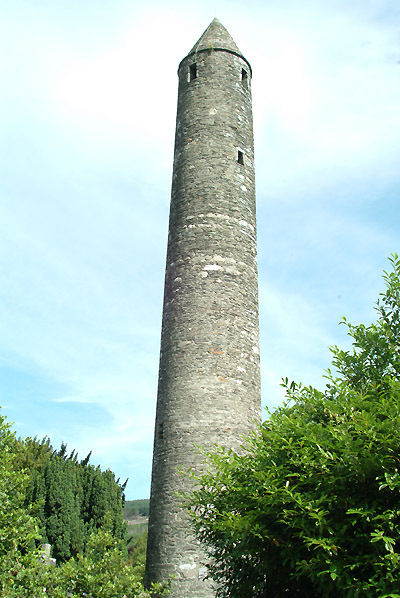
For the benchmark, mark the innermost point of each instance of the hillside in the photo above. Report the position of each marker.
(136, 514)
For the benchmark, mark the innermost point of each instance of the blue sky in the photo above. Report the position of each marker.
(87, 117)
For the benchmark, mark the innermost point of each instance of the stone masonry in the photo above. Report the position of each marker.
(209, 378)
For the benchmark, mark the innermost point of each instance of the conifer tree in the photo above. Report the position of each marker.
(99, 567)
(70, 499)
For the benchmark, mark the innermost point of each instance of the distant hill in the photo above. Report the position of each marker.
(136, 514)
(134, 508)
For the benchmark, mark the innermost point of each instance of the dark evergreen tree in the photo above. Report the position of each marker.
(65, 530)
(70, 499)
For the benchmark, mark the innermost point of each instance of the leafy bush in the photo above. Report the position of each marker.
(18, 529)
(100, 572)
(137, 554)
(312, 506)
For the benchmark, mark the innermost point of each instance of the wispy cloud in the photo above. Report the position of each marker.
(87, 121)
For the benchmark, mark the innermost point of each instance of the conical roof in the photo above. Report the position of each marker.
(215, 37)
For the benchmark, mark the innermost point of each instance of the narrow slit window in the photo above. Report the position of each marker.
(240, 157)
(192, 72)
(244, 78)
(161, 431)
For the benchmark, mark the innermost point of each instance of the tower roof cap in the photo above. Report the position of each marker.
(216, 37)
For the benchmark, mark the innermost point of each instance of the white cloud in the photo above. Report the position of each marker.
(88, 119)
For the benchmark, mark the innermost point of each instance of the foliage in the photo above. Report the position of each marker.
(137, 554)
(32, 454)
(101, 571)
(312, 505)
(70, 498)
(18, 529)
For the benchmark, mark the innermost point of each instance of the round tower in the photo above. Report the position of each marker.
(209, 378)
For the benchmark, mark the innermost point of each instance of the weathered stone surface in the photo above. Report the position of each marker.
(209, 379)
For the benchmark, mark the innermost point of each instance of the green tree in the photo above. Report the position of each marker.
(100, 570)
(70, 499)
(18, 529)
(32, 453)
(312, 506)
(103, 501)
(64, 528)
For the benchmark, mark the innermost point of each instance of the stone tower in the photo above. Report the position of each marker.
(209, 379)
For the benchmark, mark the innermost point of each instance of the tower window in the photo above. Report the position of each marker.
(244, 78)
(192, 72)
(161, 431)
(240, 157)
